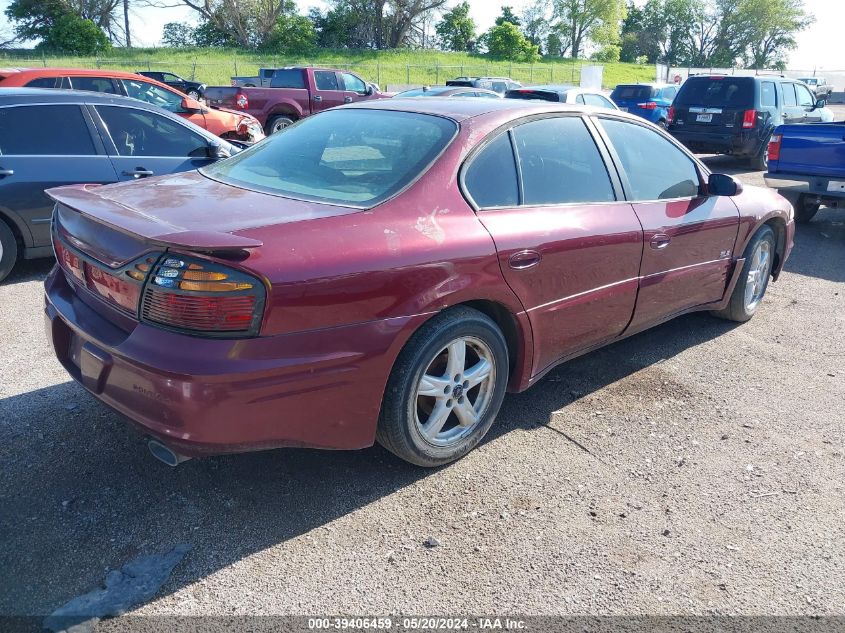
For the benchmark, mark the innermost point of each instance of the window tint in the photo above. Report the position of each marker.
(95, 84)
(57, 130)
(355, 157)
(353, 83)
(326, 80)
(631, 93)
(144, 133)
(597, 101)
(491, 176)
(288, 79)
(560, 163)
(805, 97)
(789, 98)
(768, 94)
(731, 92)
(150, 93)
(657, 169)
(43, 82)
(171, 78)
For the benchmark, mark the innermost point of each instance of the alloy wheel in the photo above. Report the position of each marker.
(758, 275)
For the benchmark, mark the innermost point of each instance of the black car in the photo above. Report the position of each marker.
(725, 114)
(50, 138)
(194, 89)
(496, 84)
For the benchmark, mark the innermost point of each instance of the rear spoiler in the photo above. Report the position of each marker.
(84, 200)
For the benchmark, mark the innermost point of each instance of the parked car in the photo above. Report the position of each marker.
(50, 138)
(261, 80)
(448, 91)
(649, 101)
(385, 271)
(295, 93)
(562, 94)
(807, 165)
(496, 84)
(722, 114)
(224, 123)
(194, 89)
(819, 87)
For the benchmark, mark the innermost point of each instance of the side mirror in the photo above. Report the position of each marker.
(191, 105)
(370, 90)
(821, 103)
(723, 185)
(217, 151)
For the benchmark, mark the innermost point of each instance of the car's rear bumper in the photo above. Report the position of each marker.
(801, 183)
(711, 142)
(205, 396)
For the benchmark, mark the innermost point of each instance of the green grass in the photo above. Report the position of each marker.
(216, 66)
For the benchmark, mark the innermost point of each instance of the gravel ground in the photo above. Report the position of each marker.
(696, 468)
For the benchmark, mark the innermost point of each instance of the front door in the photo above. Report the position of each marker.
(355, 89)
(328, 91)
(688, 236)
(567, 246)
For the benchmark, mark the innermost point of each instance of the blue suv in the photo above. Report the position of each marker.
(649, 101)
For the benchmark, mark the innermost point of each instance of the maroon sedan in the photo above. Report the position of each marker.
(387, 271)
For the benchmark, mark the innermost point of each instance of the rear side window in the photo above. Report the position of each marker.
(768, 94)
(656, 168)
(95, 84)
(560, 163)
(45, 130)
(326, 80)
(43, 82)
(288, 79)
(729, 92)
(490, 178)
(789, 98)
(143, 133)
(631, 93)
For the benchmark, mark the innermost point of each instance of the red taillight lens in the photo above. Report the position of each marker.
(774, 147)
(68, 260)
(120, 291)
(241, 101)
(204, 297)
(749, 119)
(649, 105)
(671, 114)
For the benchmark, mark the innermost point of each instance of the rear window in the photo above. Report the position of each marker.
(717, 91)
(288, 79)
(632, 93)
(351, 157)
(542, 95)
(460, 82)
(44, 130)
(424, 92)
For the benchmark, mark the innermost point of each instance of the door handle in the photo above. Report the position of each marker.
(7, 172)
(139, 172)
(347, 99)
(660, 241)
(318, 98)
(524, 259)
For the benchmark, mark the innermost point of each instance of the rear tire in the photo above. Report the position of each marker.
(804, 209)
(662, 124)
(760, 162)
(754, 278)
(8, 250)
(445, 390)
(277, 124)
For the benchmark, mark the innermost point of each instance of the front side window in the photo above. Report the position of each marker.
(560, 163)
(490, 178)
(153, 94)
(95, 84)
(805, 97)
(143, 133)
(656, 168)
(325, 80)
(45, 130)
(349, 157)
(353, 83)
(170, 78)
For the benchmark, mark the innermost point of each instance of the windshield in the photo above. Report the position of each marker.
(717, 91)
(351, 157)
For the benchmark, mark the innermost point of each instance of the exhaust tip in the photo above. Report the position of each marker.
(165, 454)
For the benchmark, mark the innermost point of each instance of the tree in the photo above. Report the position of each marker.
(590, 19)
(772, 26)
(292, 35)
(248, 22)
(37, 19)
(508, 16)
(505, 41)
(535, 22)
(72, 34)
(457, 30)
(208, 35)
(177, 35)
(666, 23)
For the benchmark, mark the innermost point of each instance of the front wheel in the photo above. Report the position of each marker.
(754, 279)
(445, 389)
(8, 250)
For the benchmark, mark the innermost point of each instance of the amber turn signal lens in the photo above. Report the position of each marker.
(195, 275)
(135, 275)
(214, 286)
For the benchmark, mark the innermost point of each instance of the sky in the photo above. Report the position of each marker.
(817, 46)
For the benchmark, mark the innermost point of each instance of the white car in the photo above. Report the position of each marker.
(563, 94)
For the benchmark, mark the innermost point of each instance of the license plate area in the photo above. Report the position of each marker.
(836, 185)
(704, 118)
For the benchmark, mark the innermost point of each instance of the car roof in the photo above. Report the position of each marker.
(10, 96)
(464, 109)
(557, 87)
(61, 72)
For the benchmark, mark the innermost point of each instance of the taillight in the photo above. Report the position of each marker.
(774, 147)
(68, 260)
(749, 119)
(671, 114)
(241, 101)
(649, 105)
(200, 296)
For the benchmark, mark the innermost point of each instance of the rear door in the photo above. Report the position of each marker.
(328, 91)
(142, 143)
(714, 104)
(792, 112)
(688, 236)
(567, 245)
(43, 146)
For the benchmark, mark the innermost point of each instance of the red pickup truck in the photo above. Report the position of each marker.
(294, 93)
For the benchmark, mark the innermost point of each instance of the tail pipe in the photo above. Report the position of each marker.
(164, 453)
